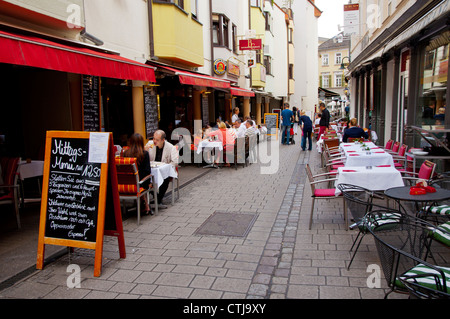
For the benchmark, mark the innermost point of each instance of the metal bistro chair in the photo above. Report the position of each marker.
(402, 251)
(129, 183)
(321, 193)
(360, 201)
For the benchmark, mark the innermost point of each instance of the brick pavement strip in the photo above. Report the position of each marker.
(278, 259)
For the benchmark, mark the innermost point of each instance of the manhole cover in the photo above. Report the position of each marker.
(227, 224)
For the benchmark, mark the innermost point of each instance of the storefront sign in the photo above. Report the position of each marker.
(250, 44)
(351, 18)
(233, 69)
(220, 67)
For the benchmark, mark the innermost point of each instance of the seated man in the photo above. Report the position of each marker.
(354, 131)
(240, 128)
(163, 151)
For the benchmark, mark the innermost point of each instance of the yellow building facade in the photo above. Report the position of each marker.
(177, 35)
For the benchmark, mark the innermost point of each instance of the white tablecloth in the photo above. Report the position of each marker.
(205, 144)
(32, 169)
(375, 179)
(161, 171)
(355, 155)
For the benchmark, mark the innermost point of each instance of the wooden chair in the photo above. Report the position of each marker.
(10, 185)
(130, 183)
(322, 193)
(241, 151)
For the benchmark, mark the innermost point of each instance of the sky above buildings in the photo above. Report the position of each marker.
(332, 15)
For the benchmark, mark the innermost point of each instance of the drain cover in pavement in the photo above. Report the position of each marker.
(227, 224)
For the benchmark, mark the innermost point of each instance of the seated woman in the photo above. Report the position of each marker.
(354, 131)
(136, 149)
(227, 141)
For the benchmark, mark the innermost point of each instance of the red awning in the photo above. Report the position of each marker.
(241, 92)
(197, 79)
(40, 53)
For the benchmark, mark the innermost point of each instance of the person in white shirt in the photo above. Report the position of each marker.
(251, 130)
(235, 116)
(240, 128)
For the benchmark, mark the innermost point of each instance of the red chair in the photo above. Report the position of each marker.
(426, 172)
(322, 193)
(395, 148)
(389, 145)
(399, 159)
(10, 184)
(129, 183)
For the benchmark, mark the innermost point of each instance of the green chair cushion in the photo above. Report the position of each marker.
(426, 281)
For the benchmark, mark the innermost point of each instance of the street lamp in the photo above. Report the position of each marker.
(342, 64)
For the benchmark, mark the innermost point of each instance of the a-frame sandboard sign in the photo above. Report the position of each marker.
(80, 200)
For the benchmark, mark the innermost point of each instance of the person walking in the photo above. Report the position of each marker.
(324, 119)
(306, 125)
(286, 119)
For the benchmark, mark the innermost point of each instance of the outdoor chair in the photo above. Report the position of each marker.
(399, 158)
(129, 183)
(402, 251)
(359, 202)
(395, 148)
(321, 193)
(389, 145)
(426, 172)
(241, 151)
(10, 186)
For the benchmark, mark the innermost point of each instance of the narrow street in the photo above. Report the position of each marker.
(270, 255)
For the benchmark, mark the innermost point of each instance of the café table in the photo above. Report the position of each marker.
(369, 177)
(356, 155)
(429, 199)
(210, 145)
(161, 171)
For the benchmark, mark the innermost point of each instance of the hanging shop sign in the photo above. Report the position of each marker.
(250, 44)
(220, 67)
(233, 69)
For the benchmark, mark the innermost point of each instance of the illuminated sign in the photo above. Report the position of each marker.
(250, 44)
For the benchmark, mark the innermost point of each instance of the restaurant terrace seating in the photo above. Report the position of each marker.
(359, 202)
(426, 172)
(403, 251)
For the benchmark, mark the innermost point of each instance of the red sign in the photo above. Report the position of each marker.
(250, 44)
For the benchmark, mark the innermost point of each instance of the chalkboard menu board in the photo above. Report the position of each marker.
(151, 112)
(91, 103)
(73, 191)
(271, 122)
(79, 194)
(205, 110)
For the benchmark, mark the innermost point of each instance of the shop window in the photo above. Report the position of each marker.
(433, 82)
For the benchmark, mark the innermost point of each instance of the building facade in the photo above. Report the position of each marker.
(399, 68)
(136, 66)
(333, 56)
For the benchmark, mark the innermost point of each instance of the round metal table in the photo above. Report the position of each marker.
(402, 194)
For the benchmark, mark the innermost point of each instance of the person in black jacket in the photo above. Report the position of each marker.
(324, 120)
(354, 131)
(307, 127)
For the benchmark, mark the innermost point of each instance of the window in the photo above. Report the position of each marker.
(194, 9)
(254, 3)
(291, 72)
(325, 80)
(220, 30)
(234, 37)
(338, 79)
(324, 59)
(268, 64)
(179, 3)
(338, 58)
(269, 21)
(290, 35)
